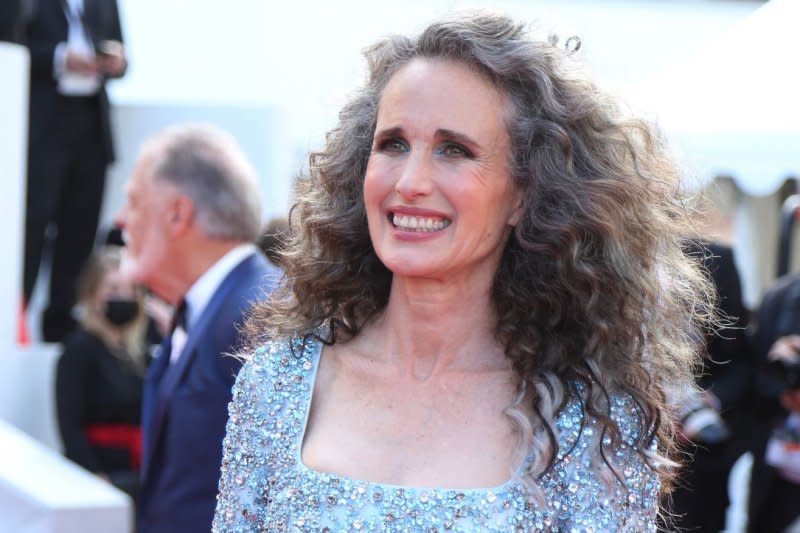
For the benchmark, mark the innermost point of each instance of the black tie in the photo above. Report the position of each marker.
(179, 317)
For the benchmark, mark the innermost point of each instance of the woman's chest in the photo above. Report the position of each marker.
(415, 436)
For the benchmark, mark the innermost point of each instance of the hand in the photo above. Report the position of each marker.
(785, 349)
(790, 400)
(112, 61)
(711, 400)
(80, 63)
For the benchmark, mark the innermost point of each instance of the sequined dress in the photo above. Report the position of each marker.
(265, 486)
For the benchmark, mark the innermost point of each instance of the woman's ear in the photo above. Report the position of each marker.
(517, 211)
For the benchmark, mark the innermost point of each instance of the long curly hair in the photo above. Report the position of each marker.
(593, 286)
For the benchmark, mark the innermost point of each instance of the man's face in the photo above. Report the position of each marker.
(144, 221)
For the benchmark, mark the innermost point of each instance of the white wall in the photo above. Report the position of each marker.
(258, 128)
(304, 57)
(14, 65)
(27, 398)
(41, 492)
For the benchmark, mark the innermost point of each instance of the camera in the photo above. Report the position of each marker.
(783, 374)
(702, 423)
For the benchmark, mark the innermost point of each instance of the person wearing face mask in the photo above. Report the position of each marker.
(99, 377)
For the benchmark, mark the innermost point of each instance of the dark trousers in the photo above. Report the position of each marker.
(700, 500)
(774, 502)
(66, 177)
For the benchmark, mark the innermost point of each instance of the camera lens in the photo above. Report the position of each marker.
(785, 374)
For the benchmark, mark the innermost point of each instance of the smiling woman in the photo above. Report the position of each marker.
(440, 162)
(486, 303)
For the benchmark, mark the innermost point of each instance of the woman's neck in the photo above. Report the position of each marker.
(430, 327)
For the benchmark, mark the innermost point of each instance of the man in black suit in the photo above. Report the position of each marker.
(191, 218)
(75, 46)
(774, 498)
(701, 498)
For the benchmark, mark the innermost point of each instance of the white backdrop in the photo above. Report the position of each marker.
(733, 106)
(304, 57)
(257, 128)
(14, 64)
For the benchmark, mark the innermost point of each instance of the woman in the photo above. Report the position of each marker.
(99, 377)
(486, 299)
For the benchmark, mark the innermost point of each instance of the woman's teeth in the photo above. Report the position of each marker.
(423, 224)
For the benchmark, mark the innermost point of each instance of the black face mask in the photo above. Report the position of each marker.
(121, 311)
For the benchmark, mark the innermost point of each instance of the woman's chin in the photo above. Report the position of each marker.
(414, 269)
(400, 268)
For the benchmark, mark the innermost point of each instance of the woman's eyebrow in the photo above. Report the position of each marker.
(456, 136)
(389, 132)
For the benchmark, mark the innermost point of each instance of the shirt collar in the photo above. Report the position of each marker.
(75, 5)
(200, 293)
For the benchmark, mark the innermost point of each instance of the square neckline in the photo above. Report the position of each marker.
(315, 356)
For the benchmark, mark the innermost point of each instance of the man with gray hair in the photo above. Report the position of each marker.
(191, 217)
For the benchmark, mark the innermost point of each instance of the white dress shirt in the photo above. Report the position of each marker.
(75, 83)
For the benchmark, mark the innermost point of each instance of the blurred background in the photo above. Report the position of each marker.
(718, 76)
(293, 64)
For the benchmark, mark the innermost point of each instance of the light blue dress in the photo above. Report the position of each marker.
(266, 487)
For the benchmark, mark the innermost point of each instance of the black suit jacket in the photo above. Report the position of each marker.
(727, 371)
(778, 316)
(94, 386)
(47, 28)
(10, 15)
(186, 408)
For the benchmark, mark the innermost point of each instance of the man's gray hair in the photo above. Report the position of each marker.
(206, 164)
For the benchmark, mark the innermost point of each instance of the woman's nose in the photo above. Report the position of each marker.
(416, 177)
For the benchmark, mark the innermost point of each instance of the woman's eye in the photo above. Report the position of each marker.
(454, 150)
(392, 145)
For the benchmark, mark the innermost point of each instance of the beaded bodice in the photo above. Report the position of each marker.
(265, 486)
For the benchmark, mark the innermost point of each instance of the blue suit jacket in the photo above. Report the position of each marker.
(185, 408)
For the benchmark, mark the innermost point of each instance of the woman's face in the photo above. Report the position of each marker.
(112, 286)
(439, 198)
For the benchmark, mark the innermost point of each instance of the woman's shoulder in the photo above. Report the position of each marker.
(611, 483)
(575, 419)
(83, 344)
(280, 362)
(81, 336)
(587, 438)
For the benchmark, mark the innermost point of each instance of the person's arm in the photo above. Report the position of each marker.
(43, 59)
(595, 498)
(116, 28)
(73, 375)
(246, 440)
(114, 63)
(49, 56)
